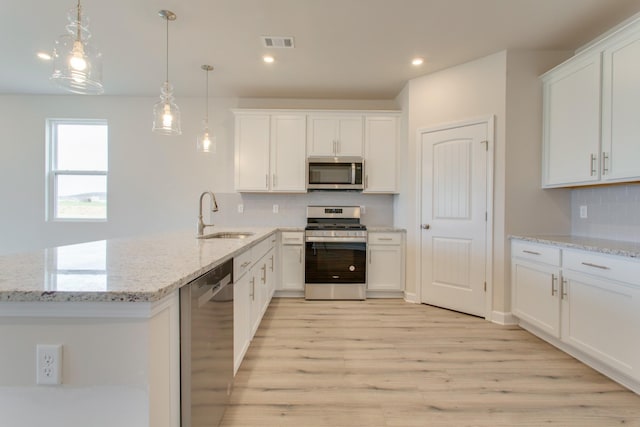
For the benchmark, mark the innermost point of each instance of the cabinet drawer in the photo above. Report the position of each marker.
(535, 252)
(261, 249)
(292, 237)
(607, 266)
(242, 264)
(385, 238)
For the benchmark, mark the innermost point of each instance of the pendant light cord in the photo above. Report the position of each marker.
(78, 24)
(167, 18)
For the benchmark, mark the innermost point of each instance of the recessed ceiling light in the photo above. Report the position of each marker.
(417, 61)
(44, 56)
(268, 59)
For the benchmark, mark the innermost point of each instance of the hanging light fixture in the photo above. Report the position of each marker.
(77, 64)
(166, 114)
(206, 142)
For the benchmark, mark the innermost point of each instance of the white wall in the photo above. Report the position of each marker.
(471, 90)
(504, 85)
(154, 181)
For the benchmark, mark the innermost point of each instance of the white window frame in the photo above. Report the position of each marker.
(53, 173)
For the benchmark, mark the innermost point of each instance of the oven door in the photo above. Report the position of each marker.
(330, 261)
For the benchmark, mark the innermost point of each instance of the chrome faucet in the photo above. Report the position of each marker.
(201, 224)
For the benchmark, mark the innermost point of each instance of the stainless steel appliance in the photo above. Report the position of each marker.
(335, 173)
(206, 346)
(335, 253)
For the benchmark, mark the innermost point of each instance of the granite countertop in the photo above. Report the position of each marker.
(385, 229)
(138, 269)
(611, 247)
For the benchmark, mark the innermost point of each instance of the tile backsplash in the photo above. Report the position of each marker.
(613, 212)
(292, 208)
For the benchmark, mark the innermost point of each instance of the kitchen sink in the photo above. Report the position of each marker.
(227, 235)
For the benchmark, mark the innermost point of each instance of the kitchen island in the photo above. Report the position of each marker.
(113, 305)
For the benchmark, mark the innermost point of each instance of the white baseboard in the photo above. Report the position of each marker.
(411, 297)
(502, 318)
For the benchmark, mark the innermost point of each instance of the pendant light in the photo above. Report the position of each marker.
(206, 142)
(166, 114)
(77, 64)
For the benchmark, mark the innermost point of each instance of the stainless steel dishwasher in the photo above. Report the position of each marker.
(206, 346)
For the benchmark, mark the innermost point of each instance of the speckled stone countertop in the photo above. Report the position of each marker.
(611, 247)
(385, 229)
(142, 269)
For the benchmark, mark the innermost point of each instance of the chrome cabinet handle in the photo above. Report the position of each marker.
(601, 267)
(387, 239)
(605, 158)
(271, 262)
(593, 164)
(531, 252)
(563, 288)
(369, 256)
(244, 264)
(366, 181)
(300, 260)
(554, 280)
(253, 288)
(425, 226)
(266, 180)
(264, 273)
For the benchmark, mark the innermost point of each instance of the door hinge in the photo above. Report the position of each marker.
(485, 286)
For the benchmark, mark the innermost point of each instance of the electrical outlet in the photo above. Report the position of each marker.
(276, 208)
(583, 211)
(363, 210)
(240, 208)
(49, 364)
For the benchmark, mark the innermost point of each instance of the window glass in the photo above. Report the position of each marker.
(78, 165)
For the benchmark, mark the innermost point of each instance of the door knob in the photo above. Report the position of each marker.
(425, 226)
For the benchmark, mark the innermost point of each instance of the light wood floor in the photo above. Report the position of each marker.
(391, 363)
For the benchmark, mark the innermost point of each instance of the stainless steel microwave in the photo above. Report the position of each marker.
(335, 173)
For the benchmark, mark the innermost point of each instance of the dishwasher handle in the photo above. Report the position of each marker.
(213, 290)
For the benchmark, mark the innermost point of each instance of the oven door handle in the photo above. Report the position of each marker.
(336, 239)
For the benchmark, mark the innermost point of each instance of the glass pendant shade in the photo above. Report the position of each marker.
(77, 64)
(206, 141)
(166, 114)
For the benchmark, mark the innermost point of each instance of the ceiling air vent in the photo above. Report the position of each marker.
(277, 41)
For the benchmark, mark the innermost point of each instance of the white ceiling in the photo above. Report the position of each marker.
(344, 49)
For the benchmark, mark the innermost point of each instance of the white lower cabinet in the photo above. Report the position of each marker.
(589, 303)
(385, 264)
(254, 283)
(292, 262)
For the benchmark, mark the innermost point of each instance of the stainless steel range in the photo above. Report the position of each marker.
(335, 253)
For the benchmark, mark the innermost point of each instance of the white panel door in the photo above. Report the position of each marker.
(288, 153)
(620, 124)
(454, 195)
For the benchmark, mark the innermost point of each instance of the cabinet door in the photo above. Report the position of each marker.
(241, 319)
(571, 146)
(288, 153)
(321, 136)
(292, 268)
(535, 296)
(602, 318)
(265, 281)
(335, 135)
(252, 152)
(620, 125)
(380, 155)
(384, 270)
(349, 140)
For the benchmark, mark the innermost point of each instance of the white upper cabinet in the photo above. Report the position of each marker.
(270, 152)
(620, 159)
(288, 154)
(335, 135)
(252, 152)
(572, 123)
(380, 154)
(591, 124)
